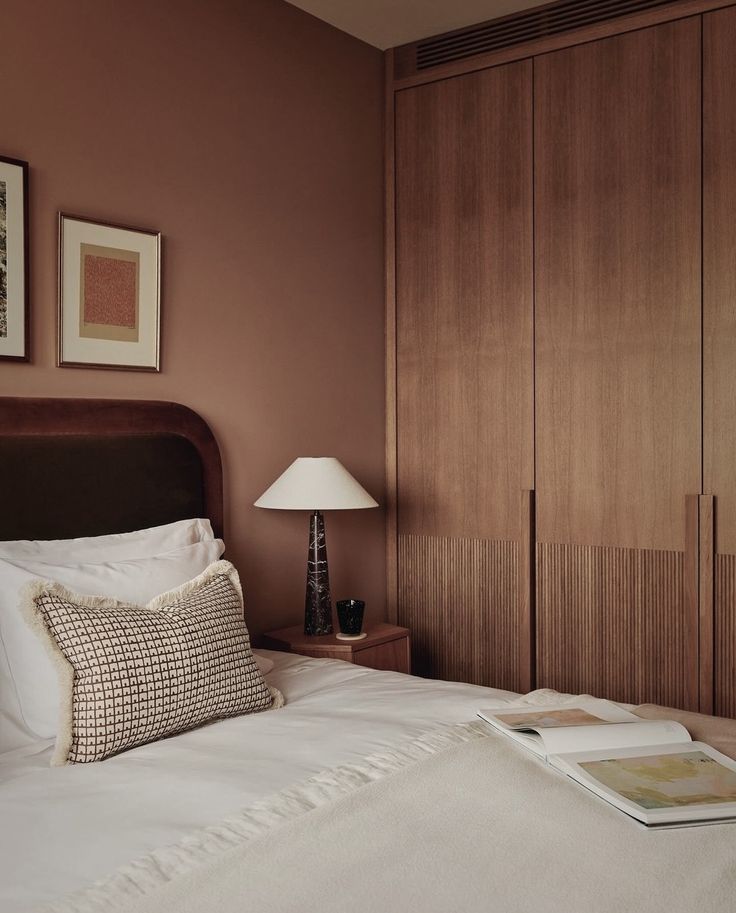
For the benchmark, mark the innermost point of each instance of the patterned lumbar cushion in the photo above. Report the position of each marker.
(131, 674)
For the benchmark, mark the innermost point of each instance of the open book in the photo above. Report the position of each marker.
(649, 769)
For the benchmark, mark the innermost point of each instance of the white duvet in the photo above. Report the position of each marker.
(64, 828)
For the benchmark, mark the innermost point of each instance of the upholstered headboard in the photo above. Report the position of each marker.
(88, 467)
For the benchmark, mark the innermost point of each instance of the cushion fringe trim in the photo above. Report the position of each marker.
(35, 618)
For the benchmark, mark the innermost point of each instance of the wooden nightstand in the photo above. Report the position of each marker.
(385, 647)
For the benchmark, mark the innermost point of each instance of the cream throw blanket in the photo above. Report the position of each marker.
(461, 820)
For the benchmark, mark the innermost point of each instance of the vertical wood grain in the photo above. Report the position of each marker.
(464, 398)
(719, 270)
(390, 292)
(618, 365)
(464, 304)
(617, 168)
(719, 333)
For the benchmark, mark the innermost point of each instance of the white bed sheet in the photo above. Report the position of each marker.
(62, 828)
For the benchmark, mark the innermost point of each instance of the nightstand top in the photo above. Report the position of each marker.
(294, 638)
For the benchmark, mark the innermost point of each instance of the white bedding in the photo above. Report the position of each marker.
(62, 828)
(459, 821)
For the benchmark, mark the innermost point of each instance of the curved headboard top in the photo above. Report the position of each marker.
(89, 467)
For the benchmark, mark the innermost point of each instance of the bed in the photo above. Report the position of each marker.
(366, 790)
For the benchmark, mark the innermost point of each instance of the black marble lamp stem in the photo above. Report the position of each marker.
(318, 605)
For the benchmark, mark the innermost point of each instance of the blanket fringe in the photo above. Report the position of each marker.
(150, 872)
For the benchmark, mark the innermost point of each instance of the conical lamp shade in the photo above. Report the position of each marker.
(316, 483)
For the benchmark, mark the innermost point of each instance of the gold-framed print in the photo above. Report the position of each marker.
(109, 295)
(14, 307)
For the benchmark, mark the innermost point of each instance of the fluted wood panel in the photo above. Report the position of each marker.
(459, 598)
(725, 636)
(623, 631)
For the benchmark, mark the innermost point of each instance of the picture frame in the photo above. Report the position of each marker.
(14, 261)
(109, 302)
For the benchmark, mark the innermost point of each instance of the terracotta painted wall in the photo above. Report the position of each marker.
(250, 134)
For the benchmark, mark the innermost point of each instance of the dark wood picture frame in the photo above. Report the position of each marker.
(25, 355)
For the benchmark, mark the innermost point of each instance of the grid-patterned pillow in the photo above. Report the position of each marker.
(131, 674)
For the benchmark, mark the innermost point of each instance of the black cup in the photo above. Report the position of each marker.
(350, 616)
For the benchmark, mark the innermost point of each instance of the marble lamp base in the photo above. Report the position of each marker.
(352, 636)
(317, 604)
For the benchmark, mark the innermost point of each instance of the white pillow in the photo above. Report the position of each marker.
(34, 704)
(116, 547)
(265, 663)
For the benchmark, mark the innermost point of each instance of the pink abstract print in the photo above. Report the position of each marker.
(110, 291)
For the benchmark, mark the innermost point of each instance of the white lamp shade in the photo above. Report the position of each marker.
(316, 483)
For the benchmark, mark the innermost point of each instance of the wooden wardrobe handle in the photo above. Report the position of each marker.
(699, 605)
(706, 592)
(527, 590)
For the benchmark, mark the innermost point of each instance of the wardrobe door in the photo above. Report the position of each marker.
(719, 341)
(618, 365)
(465, 373)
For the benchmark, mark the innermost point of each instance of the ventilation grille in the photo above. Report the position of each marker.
(526, 26)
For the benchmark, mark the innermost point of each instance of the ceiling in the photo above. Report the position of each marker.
(387, 23)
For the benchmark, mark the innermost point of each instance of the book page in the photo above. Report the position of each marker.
(612, 735)
(590, 712)
(659, 784)
(591, 724)
(551, 718)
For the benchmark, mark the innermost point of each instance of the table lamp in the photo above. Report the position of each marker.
(316, 484)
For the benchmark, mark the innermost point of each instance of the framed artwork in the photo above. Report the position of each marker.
(109, 295)
(14, 320)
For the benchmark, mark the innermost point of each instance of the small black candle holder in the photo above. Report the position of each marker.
(350, 619)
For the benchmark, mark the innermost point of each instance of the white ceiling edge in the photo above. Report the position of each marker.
(389, 23)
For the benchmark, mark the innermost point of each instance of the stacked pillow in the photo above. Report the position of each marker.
(129, 567)
(118, 546)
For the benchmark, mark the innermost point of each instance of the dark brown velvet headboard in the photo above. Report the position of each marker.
(88, 467)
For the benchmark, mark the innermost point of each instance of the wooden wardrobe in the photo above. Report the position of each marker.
(561, 255)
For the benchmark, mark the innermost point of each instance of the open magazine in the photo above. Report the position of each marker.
(649, 769)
